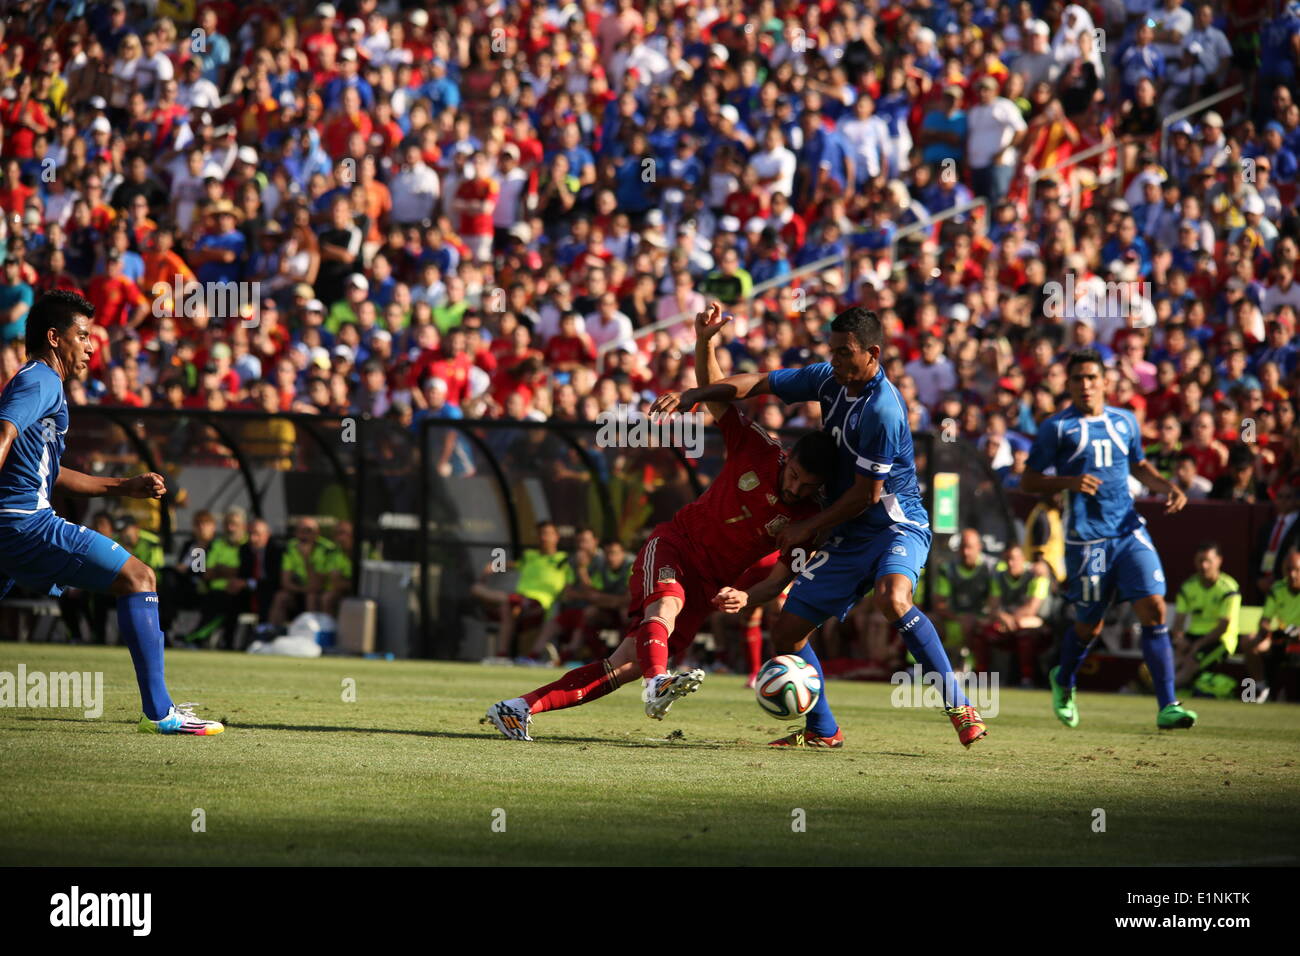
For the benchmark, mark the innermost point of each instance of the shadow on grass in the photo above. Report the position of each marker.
(665, 743)
(87, 721)
(462, 735)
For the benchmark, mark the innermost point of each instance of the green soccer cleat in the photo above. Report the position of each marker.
(1063, 701)
(1175, 716)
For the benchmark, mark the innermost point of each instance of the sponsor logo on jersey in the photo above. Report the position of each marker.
(899, 550)
(748, 481)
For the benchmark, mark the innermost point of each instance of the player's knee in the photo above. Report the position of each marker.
(1150, 610)
(892, 600)
(666, 608)
(137, 577)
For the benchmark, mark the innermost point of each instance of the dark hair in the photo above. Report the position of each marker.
(1083, 357)
(862, 324)
(57, 310)
(1209, 545)
(816, 451)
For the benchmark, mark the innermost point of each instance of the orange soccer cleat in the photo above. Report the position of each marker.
(968, 723)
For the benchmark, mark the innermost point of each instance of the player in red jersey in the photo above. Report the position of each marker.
(689, 566)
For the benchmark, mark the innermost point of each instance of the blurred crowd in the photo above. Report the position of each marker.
(490, 210)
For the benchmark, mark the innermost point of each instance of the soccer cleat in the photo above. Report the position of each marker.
(1063, 701)
(660, 692)
(968, 723)
(511, 717)
(1175, 716)
(181, 720)
(801, 738)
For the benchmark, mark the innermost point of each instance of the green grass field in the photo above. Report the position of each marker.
(406, 775)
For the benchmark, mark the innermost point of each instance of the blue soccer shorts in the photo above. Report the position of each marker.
(45, 553)
(1121, 569)
(837, 577)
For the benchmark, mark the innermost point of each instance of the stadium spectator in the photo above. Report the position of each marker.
(1019, 593)
(963, 590)
(261, 560)
(1205, 624)
(1278, 638)
(1280, 536)
(544, 573)
(306, 574)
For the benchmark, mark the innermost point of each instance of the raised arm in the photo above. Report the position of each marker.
(707, 371)
(732, 389)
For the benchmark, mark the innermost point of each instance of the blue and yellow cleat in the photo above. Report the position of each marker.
(181, 720)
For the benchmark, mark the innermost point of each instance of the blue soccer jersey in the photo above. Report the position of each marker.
(1105, 446)
(873, 437)
(33, 401)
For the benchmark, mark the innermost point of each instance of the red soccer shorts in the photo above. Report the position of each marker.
(663, 569)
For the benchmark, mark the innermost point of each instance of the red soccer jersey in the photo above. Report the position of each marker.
(735, 523)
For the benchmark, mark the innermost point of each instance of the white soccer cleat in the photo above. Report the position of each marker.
(661, 691)
(511, 717)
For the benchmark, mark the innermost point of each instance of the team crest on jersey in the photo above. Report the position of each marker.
(667, 574)
(774, 526)
(748, 481)
(771, 498)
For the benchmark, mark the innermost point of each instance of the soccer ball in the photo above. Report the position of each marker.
(787, 687)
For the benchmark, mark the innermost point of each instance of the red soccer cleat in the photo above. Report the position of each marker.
(801, 738)
(968, 723)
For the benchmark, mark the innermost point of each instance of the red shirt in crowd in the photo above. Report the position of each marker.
(569, 348)
(477, 190)
(114, 299)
